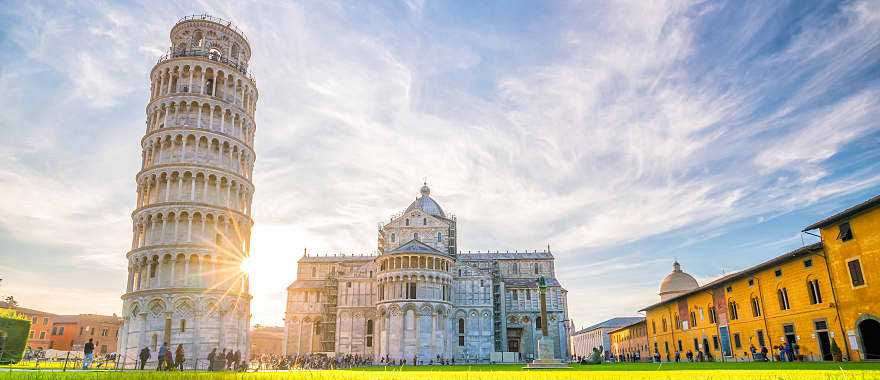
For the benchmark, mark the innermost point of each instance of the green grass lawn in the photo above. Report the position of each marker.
(670, 371)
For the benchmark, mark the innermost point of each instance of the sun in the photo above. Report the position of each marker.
(247, 265)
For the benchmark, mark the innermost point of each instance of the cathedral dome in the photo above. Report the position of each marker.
(676, 283)
(426, 203)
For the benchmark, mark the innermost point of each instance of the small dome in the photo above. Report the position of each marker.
(426, 203)
(676, 283)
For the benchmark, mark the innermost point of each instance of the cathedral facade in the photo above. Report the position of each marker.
(420, 297)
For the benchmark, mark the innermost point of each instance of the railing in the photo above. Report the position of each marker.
(218, 20)
(208, 55)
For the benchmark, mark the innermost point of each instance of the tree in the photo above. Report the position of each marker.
(11, 301)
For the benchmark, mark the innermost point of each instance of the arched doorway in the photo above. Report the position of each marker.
(869, 331)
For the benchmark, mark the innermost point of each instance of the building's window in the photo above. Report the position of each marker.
(393, 237)
(715, 342)
(54, 331)
(415, 236)
(528, 294)
(729, 289)
(696, 345)
(664, 324)
(844, 232)
(712, 317)
(406, 222)
(808, 263)
(855, 272)
(31, 334)
(680, 347)
(182, 325)
(778, 272)
(461, 332)
(424, 221)
(756, 307)
(783, 299)
(536, 268)
(381, 292)
(815, 292)
(677, 322)
(411, 290)
(439, 236)
(34, 320)
(45, 321)
(751, 282)
(348, 284)
(369, 338)
(761, 342)
(538, 323)
(42, 335)
(737, 342)
(153, 265)
(734, 314)
(654, 329)
(314, 271)
(666, 346)
(80, 331)
(103, 348)
(693, 319)
(104, 332)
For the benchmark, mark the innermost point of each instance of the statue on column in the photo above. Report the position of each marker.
(546, 350)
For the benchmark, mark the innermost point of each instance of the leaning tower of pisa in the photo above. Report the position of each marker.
(192, 221)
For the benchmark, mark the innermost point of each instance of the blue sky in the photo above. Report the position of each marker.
(624, 134)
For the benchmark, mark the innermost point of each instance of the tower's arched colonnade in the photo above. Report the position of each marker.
(192, 221)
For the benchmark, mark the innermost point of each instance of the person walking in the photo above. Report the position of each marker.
(236, 360)
(88, 354)
(179, 357)
(229, 356)
(162, 351)
(211, 357)
(144, 356)
(169, 360)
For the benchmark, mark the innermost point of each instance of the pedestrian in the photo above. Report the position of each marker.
(211, 357)
(229, 356)
(179, 357)
(236, 360)
(88, 354)
(144, 356)
(169, 360)
(161, 358)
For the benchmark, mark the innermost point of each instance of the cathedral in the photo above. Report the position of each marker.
(421, 297)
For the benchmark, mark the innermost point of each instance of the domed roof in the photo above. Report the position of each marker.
(676, 283)
(426, 203)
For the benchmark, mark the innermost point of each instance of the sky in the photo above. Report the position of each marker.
(623, 134)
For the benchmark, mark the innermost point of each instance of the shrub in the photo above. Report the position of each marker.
(14, 330)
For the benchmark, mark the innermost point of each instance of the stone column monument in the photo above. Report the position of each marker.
(546, 357)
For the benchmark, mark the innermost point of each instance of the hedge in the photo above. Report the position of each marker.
(16, 331)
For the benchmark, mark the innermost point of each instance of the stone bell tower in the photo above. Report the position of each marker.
(192, 219)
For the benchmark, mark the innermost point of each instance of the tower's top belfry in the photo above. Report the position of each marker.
(211, 36)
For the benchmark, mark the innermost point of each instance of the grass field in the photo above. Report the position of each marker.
(683, 371)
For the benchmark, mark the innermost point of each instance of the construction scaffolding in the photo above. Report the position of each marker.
(328, 317)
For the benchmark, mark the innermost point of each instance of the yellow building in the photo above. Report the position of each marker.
(787, 299)
(630, 342)
(851, 241)
(798, 300)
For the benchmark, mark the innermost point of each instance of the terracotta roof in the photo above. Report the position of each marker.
(846, 214)
(812, 248)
